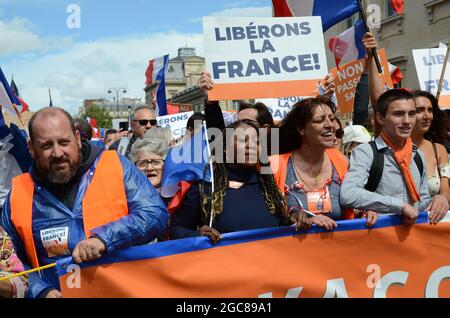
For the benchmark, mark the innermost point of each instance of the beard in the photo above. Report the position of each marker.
(58, 175)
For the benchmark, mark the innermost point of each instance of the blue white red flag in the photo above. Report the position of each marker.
(8, 100)
(186, 162)
(398, 6)
(331, 11)
(156, 72)
(14, 145)
(396, 74)
(348, 46)
(15, 91)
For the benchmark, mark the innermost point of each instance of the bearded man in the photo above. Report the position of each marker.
(77, 200)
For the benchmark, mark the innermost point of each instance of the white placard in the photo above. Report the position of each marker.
(429, 63)
(295, 42)
(279, 107)
(264, 57)
(177, 123)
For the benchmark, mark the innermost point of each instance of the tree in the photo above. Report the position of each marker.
(100, 115)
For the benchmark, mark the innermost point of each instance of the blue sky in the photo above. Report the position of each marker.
(110, 49)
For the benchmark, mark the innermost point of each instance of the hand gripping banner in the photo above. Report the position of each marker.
(389, 260)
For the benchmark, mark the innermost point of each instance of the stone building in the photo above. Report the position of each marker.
(181, 81)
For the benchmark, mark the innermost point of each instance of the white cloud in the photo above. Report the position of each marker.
(89, 69)
(240, 12)
(244, 12)
(79, 71)
(19, 36)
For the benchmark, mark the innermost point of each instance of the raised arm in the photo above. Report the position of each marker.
(376, 85)
(213, 112)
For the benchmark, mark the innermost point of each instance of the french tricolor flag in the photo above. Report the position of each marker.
(95, 130)
(398, 6)
(156, 71)
(348, 46)
(331, 11)
(396, 73)
(8, 100)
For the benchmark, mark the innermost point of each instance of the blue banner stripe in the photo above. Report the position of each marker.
(174, 247)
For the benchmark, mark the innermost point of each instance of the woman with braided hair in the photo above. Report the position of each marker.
(245, 194)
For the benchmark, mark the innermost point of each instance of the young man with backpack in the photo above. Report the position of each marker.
(388, 175)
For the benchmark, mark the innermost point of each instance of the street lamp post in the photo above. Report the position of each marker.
(117, 90)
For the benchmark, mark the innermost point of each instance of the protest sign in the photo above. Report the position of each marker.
(347, 78)
(264, 57)
(279, 107)
(177, 123)
(429, 64)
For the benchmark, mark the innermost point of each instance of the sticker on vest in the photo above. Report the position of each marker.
(55, 241)
(235, 184)
(319, 201)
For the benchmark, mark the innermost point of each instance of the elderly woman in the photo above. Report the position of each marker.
(308, 168)
(149, 155)
(160, 133)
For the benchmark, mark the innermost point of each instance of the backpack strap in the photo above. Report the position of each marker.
(376, 170)
(419, 163)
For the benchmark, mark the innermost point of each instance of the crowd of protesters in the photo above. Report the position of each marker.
(95, 198)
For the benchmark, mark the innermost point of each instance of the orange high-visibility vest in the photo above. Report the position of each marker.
(279, 165)
(104, 201)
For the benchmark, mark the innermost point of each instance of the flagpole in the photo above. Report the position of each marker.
(19, 116)
(50, 96)
(38, 269)
(211, 169)
(444, 68)
(374, 51)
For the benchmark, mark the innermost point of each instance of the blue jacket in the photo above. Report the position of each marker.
(147, 218)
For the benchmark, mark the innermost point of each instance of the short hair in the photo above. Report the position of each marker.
(195, 117)
(159, 133)
(83, 126)
(110, 132)
(133, 116)
(264, 116)
(388, 97)
(51, 112)
(147, 146)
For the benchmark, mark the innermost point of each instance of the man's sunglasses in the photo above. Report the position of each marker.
(144, 122)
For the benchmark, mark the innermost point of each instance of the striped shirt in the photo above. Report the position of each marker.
(392, 192)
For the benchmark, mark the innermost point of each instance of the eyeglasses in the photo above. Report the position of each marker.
(339, 133)
(144, 122)
(143, 164)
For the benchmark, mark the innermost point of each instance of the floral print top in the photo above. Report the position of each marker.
(11, 264)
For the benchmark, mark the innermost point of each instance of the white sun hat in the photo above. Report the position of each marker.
(356, 133)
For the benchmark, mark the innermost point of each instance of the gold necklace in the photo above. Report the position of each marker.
(315, 174)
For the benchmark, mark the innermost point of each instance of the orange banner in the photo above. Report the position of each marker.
(348, 77)
(263, 89)
(390, 260)
(444, 101)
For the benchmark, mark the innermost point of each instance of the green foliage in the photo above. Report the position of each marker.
(100, 115)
